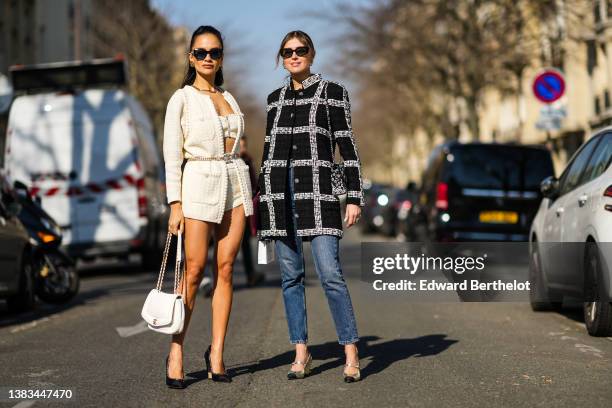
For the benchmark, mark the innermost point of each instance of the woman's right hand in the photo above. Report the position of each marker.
(176, 222)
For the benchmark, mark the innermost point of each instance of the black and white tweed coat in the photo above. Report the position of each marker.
(298, 135)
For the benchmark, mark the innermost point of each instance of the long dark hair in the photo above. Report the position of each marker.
(191, 72)
(300, 35)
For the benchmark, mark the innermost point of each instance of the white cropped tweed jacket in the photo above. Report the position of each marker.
(192, 128)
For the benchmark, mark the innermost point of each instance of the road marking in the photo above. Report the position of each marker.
(128, 331)
(27, 326)
(589, 349)
(584, 348)
(24, 404)
(568, 338)
(42, 373)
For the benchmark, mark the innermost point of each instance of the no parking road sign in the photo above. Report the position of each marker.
(549, 86)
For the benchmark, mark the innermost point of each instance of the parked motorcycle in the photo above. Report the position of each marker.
(56, 279)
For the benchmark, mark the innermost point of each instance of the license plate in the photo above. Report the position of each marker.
(499, 217)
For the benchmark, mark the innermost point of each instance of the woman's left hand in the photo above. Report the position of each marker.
(353, 212)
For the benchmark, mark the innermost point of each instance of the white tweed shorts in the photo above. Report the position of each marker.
(234, 195)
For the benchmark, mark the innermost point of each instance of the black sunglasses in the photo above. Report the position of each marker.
(200, 53)
(288, 52)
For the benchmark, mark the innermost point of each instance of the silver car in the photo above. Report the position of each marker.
(571, 236)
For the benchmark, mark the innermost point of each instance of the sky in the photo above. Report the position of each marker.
(252, 33)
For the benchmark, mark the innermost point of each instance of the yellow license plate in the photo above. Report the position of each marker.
(500, 217)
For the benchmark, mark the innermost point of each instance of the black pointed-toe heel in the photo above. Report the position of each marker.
(177, 383)
(218, 377)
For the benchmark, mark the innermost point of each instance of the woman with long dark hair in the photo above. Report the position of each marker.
(208, 189)
(307, 118)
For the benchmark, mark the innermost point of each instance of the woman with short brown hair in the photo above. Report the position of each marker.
(307, 118)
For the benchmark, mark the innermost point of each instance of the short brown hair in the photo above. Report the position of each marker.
(300, 35)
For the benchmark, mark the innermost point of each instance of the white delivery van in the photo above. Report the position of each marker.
(87, 149)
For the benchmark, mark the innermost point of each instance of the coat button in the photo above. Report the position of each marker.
(297, 180)
(294, 147)
(297, 215)
(301, 93)
(291, 116)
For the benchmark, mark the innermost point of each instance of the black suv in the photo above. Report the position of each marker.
(481, 191)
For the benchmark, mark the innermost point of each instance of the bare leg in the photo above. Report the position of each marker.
(228, 236)
(197, 235)
(301, 354)
(351, 358)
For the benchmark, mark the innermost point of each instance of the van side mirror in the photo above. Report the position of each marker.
(18, 185)
(22, 190)
(550, 187)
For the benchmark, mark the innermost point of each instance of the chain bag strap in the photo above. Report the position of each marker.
(165, 312)
(338, 176)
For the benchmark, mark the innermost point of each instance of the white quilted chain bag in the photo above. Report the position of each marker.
(165, 312)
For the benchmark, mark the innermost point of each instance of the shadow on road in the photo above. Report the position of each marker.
(138, 278)
(573, 311)
(375, 357)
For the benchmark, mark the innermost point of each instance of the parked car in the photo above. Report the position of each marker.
(77, 139)
(16, 275)
(482, 191)
(397, 197)
(377, 197)
(405, 202)
(571, 236)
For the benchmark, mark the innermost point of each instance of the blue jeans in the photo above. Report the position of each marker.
(325, 251)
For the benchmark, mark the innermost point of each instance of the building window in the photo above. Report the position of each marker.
(597, 106)
(591, 56)
(597, 11)
(606, 99)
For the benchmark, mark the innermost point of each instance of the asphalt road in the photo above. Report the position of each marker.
(412, 354)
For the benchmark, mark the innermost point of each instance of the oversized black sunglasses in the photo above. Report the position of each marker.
(200, 53)
(288, 52)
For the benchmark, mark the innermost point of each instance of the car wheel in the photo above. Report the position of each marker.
(60, 285)
(24, 299)
(539, 295)
(597, 309)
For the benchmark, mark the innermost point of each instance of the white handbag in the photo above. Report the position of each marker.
(265, 252)
(165, 312)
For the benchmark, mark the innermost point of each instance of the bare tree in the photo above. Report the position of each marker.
(428, 63)
(145, 38)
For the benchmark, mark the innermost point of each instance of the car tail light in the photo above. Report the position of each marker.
(142, 198)
(442, 196)
(608, 192)
(136, 242)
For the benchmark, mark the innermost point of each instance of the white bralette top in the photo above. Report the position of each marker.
(230, 124)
